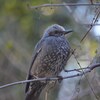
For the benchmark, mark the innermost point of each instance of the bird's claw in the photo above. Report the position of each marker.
(60, 78)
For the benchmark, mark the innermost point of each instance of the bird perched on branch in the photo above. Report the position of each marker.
(49, 59)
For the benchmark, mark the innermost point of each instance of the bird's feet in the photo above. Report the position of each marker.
(60, 78)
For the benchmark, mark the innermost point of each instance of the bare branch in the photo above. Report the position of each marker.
(93, 22)
(67, 4)
(81, 73)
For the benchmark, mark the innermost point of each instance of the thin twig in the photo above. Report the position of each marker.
(78, 70)
(89, 69)
(93, 22)
(86, 77)
(67, 4)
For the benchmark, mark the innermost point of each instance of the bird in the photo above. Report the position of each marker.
(49, 58)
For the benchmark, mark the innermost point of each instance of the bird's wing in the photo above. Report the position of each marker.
(36, 52)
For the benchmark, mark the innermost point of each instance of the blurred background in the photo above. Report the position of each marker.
(21, 27)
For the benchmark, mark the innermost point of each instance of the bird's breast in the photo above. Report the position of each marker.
(52, 58)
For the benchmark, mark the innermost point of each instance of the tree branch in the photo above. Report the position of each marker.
(67, 4)
(93, 22)
(80, 73)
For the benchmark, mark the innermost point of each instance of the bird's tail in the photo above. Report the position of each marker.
(36, 89)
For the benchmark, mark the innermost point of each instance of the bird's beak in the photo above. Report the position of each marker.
(67, 31)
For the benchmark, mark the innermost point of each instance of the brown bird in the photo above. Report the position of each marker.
(49, 59)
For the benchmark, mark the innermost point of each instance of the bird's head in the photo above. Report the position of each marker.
(55, 30)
